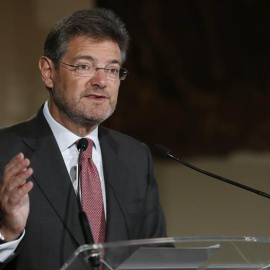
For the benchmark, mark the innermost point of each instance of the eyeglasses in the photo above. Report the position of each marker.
(87, 70)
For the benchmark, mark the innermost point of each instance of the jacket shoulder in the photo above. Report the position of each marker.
(118, 137)
(123, 144)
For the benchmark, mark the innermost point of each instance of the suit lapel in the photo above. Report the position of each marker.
(51, 176)
(115, 175)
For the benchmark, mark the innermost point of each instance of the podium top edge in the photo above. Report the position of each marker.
(155, 241)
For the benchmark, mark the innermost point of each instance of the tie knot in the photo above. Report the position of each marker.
(87, 153)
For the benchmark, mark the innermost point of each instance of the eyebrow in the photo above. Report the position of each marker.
(85, 57)
(90, 58)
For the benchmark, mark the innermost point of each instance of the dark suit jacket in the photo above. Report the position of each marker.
(53, 230)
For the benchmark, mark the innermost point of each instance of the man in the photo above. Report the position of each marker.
(82, 70)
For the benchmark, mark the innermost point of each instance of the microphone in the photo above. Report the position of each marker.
(82, 146)
(166, 153)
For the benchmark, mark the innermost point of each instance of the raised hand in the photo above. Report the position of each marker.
(14, 198)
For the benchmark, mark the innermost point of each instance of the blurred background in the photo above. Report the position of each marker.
(198, 83)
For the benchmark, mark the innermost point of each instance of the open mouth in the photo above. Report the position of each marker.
(96, 97)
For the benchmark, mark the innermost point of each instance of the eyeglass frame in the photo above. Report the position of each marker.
(122, 77)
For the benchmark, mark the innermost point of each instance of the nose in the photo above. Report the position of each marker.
(99, 79)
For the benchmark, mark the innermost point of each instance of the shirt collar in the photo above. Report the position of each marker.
(64, 137)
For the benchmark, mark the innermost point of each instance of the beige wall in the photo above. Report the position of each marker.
(194, 204)
(23, 27)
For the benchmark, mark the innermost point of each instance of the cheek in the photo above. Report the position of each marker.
(114, 97)
(72, 90)
(115, 91)
(69, 82)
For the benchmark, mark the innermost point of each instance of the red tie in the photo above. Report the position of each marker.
(92, 201)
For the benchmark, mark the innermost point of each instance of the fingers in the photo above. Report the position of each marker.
(16, 173)
(17, 194)
(14, 186)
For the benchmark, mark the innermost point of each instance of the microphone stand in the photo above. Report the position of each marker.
(165, 152)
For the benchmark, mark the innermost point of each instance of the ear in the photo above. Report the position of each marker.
(46, 68)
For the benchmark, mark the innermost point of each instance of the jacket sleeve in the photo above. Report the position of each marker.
(154, 225)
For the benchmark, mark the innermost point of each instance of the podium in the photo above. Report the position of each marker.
(216, 253)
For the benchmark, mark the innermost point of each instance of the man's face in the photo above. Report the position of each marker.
(85, 101)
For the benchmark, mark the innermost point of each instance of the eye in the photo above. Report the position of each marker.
(83, 67)
(114, 71)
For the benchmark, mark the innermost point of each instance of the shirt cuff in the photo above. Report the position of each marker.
(7, 249)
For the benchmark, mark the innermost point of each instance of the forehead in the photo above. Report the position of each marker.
(83, 47)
